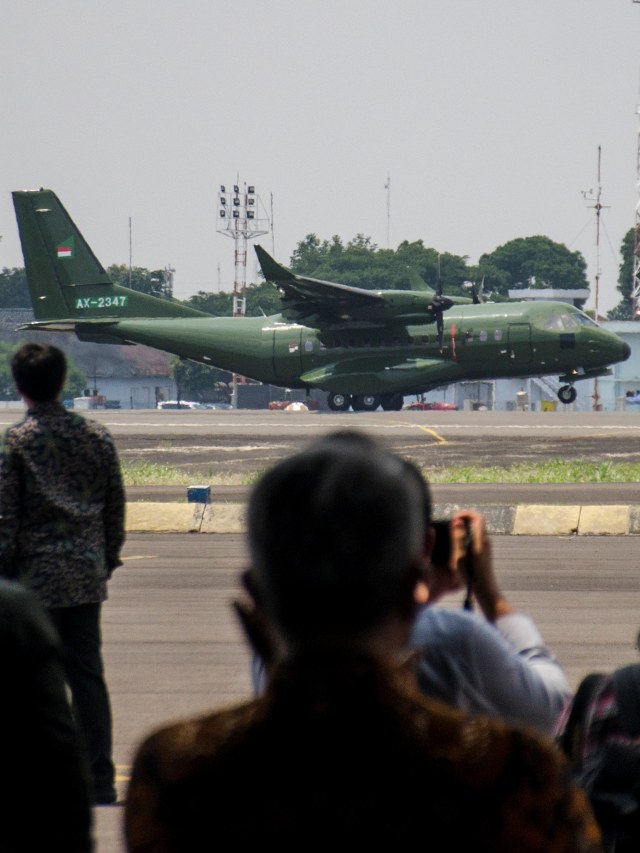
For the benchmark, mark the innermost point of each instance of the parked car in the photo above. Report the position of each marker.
(182, 404)
(432, 407)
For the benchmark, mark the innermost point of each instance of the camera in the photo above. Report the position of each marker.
(442, 545)
(441, 553)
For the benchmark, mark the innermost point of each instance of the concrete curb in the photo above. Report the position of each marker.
(521, 520)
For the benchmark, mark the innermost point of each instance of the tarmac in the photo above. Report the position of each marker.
(220, 510)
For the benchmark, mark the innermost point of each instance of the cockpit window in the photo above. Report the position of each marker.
(583, 319)
(563, 320)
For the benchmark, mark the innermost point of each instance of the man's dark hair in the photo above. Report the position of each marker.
(39, 371)
(336, 533)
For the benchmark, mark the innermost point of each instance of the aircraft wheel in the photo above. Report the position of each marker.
(339, 402)
(392, 402)
(567, 394)
(365, 403)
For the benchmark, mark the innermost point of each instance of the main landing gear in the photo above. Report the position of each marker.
(567, 394)
(365, 402)
(339, 402)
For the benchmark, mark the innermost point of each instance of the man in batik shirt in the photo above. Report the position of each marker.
(61, 530)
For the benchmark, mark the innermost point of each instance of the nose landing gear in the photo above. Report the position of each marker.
(567, 394)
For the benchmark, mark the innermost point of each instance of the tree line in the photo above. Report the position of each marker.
(525, 262)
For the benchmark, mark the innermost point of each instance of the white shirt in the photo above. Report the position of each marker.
(503, 670)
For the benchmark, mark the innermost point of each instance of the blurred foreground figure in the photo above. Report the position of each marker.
(342, 750)
(44, 785)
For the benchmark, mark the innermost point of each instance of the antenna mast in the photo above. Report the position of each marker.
(635, 283)
(598, 206)
(387, 187)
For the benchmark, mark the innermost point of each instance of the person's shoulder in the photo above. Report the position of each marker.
(22, 615)
(442, 622)
(15, 596)
(192, 739)
(92, 427)
(482, 745)
(16, 430)
(487, 755)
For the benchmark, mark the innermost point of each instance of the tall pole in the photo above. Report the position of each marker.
(635, 283)
(387, 187)
(598, 207)
(273, 239)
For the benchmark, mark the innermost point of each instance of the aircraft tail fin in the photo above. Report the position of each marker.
(416, 282)
(271, 269)
(66, 280)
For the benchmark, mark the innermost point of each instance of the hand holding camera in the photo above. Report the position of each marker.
(463, 550)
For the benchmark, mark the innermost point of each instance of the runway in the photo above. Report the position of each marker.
(233, 442)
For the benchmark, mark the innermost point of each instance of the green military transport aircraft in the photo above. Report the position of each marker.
(365, 348)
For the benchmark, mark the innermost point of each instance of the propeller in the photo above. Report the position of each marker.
(478, 293)
(439, 304)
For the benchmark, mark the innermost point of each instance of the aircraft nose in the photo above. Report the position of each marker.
(626, 351)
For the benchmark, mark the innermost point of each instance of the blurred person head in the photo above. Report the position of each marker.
(39, 371)
(338, 537)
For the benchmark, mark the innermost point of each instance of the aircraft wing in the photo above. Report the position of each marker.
(355, 375)
(305, 299)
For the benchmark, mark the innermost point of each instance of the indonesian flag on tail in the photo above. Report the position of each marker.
(65, 249)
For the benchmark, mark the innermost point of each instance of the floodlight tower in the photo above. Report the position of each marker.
(238, 217)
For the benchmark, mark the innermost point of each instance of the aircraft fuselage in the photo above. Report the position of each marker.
(490, 340)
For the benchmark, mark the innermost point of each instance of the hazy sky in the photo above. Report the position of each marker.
(486, 115)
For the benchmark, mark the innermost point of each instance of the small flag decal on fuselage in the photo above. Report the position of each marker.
(65, 249)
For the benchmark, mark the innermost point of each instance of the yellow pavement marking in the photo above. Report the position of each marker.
(440, 439)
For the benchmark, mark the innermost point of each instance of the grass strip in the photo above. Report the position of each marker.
(551, 471)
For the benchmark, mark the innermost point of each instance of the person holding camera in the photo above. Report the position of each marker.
(496, 663)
